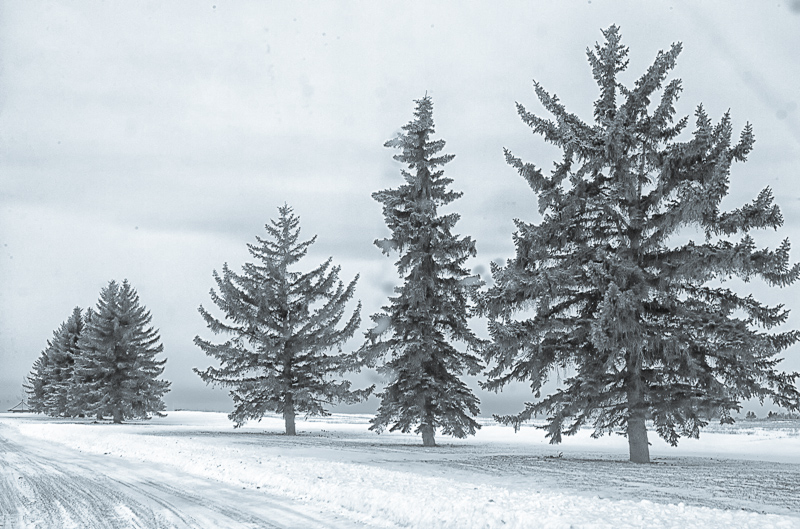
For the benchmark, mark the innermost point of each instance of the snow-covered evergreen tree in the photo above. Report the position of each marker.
(37, 385)
(62, 355)
(637, 316)
(284, 354)
(117, 365)
(81, 397)
(50, 383)
(430, 309)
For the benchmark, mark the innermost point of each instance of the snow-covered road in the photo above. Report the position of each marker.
(45, 485)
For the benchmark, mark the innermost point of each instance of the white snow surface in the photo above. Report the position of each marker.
(743, 476)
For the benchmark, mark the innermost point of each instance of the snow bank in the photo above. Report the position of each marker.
(380, 479)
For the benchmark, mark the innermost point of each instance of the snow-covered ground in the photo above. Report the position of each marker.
(744, 476)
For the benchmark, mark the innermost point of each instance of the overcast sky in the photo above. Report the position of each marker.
(153, 140)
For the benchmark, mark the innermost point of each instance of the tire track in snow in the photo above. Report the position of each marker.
(46, 485)
(38, 492)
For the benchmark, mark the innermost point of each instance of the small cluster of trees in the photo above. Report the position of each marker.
(599, 287)
(101, 362)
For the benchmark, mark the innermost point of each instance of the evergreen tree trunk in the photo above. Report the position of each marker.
(428, 435)
(639, 448)
(288, 415)
(117, 414)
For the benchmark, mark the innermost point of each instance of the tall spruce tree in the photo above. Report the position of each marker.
(285, 351)
(641, 321)
(50, 384)
(62, 356)
(81, 398)
(431, 307)
(117, 366)
(36, 385)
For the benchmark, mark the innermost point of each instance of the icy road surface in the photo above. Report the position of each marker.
(336, 471)
(45, 485)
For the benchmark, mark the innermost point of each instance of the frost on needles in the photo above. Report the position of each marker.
(643, 322)
(285, 349)
(430, 309)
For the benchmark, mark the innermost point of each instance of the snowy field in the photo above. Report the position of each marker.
(742, 476)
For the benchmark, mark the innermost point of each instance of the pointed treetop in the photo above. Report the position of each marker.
(424, 115)
(417, 150)
(281, 246)
(607, 61)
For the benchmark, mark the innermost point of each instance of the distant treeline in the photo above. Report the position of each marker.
(773, 416)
